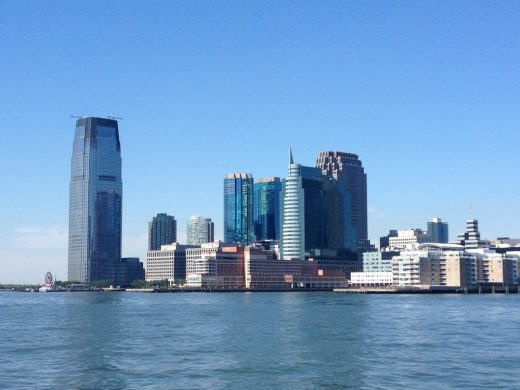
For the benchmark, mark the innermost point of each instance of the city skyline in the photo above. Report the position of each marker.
(425, 95)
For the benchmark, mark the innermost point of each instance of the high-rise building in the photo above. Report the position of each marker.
(267, 208)
(438, 231)
(238, 208)
(347, 169)
(162, 230)
(95, 201)
(200, 230)
(471, 239)
(315, 213)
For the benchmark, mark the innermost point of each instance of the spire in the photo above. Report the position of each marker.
(291, 161)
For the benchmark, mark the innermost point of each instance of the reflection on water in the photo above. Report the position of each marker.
(266, 340)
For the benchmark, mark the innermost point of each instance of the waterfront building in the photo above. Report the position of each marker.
(408, 237)
(96, 190)
(471, 239)
(167, 263)
(438, 231)
(162, 230)
(496, 268)
(200, 230)
(129, 269)
(238, 208)
(347, 169)
(371, 279)
(315, 212)
(378, 261)
(267, 208)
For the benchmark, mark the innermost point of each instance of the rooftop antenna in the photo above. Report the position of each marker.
(114, 117)
(77, 117)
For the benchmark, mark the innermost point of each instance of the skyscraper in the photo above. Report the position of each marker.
(199, 230)
(267, 208)
(162, 230)
(238, 208)
(438, 231)
(348, 170)
(95, 201)
(316, 219)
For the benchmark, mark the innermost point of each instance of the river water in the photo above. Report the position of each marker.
(286, 340)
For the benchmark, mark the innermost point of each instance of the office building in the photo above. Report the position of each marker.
(167, 263)
(95, 206)
(267, 208)
(199, 230)
(438, 231)
(384, 242)
(162, 230)
(238, 209)
(371, 279)
(471, 239)
(347, 169)
(378, 261)
(316, 220)
(408, 237)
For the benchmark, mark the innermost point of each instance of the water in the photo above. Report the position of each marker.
(262, 340)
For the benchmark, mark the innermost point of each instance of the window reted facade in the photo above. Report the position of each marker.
(267, 208)
(199, 230)
(95, 201)
(162, 230)
(238, 208)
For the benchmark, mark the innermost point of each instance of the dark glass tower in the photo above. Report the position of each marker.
(267, 208)
(162, 230)
(95, 201)
(438, 231)
(238, 208)
(347, 169)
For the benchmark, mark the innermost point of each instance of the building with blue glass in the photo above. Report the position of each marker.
(438, 231)
(95, 204)
(267, 208)
(238, 209)
(316, 216)
(162, 230)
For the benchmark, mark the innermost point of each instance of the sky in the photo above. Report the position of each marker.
(426, 93)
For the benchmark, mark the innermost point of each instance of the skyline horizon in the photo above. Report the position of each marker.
(426, 95)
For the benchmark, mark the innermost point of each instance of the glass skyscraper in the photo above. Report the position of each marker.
(316, 220)
(199, 230)
(95, 201)
(267, 208)
(438, 231)
(238, 208)
(162, 230)
(347, 169)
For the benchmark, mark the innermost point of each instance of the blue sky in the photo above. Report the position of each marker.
(426, 93)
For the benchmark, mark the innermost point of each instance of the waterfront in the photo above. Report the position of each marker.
(276, 340)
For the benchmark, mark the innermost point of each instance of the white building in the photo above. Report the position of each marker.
(371, 279)
(199, 230)
(408, 237)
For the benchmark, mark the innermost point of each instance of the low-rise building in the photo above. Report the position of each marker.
(408, 238)
(168, 263)
(371, 279)
(378, 261)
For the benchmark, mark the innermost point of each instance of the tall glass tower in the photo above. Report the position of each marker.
(199, 230)
(95, 204)
(267, 208)
(162, 230)
(238, 208)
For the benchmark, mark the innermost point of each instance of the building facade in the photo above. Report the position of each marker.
(162, 230)
(471, 239)
(267, 208)
(408, 237)
(238, 208)
(167, 263)
(96, 191)
(438, 231)
(347, 169)
(200, 230)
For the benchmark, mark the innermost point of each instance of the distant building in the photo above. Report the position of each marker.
(378, 261)
(167, 263)
(408, 237)
(129, 269)
(267, 208)
(371, 279)
(200, 230)
(162, 230)
(496, 268)
(316, 221)
(438, 231)
(471, 239)
(347, 169)
(238, 209)
(384, 242)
